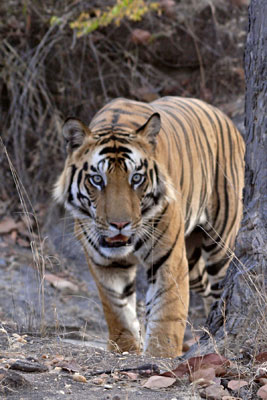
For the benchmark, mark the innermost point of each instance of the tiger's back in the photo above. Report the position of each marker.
(182, 215)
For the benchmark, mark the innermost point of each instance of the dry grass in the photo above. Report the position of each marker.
(50, 74)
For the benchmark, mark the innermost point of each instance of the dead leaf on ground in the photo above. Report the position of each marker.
(203, 376)
(61, 283)
(262, 392)
(131, 375)
(236, 384)
(7, 225)
(261, 357)
(70, 366)
(58, 358)
(157, 382)
(214, 392)
(211, 360)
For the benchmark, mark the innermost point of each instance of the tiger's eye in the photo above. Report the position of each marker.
(96, 180)
(137, 178)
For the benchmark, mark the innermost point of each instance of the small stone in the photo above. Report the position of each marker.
(79, 378)
(108, 386)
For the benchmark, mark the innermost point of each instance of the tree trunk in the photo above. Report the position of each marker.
(240, 316)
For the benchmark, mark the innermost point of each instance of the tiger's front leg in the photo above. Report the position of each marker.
(118, 297)
(167, 302)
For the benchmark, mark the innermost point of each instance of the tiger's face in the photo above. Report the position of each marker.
(111, 185)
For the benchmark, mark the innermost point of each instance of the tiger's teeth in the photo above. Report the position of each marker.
(117, 238)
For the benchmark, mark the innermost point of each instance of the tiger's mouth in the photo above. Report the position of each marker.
(116, 241)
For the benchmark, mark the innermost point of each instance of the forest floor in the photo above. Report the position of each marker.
(60, 354)
(52, 330)
(53, 335)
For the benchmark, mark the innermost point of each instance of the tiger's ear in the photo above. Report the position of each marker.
(74, 132)
(151, 129)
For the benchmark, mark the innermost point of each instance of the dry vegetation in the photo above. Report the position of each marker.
(188, 48)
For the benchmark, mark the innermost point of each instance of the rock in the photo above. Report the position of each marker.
(11, 380)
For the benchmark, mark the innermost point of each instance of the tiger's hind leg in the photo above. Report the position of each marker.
(198, 276)
(218, 253)
(208, 257)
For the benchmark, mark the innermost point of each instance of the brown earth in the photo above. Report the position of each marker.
(70, 333)
(51, 321)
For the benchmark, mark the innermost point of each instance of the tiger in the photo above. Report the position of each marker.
(158, 185)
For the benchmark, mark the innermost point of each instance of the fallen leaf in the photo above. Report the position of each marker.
(7, 225)
(157, 382)
(61, 283)
(211, 360)
(261, 357)
(203, 376)
(71, 366)
(236, 384)
(262, 392)
(131, 375)
(58, 358)
(214, 392)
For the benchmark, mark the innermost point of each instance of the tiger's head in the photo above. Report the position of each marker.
(112, 184)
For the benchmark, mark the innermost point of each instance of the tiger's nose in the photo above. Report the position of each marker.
(119, 225)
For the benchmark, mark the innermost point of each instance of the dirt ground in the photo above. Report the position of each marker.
(59, 324)
(59, 382)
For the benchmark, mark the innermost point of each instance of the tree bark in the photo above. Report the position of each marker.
(240, 316)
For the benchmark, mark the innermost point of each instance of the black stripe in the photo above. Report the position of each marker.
(151, 273)
(129, 290)
(115, 149)
(115, 138)
(73, 170)
(215, 268)
(141, 241)
(79, 178)
(194, 258)
(93, 244)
